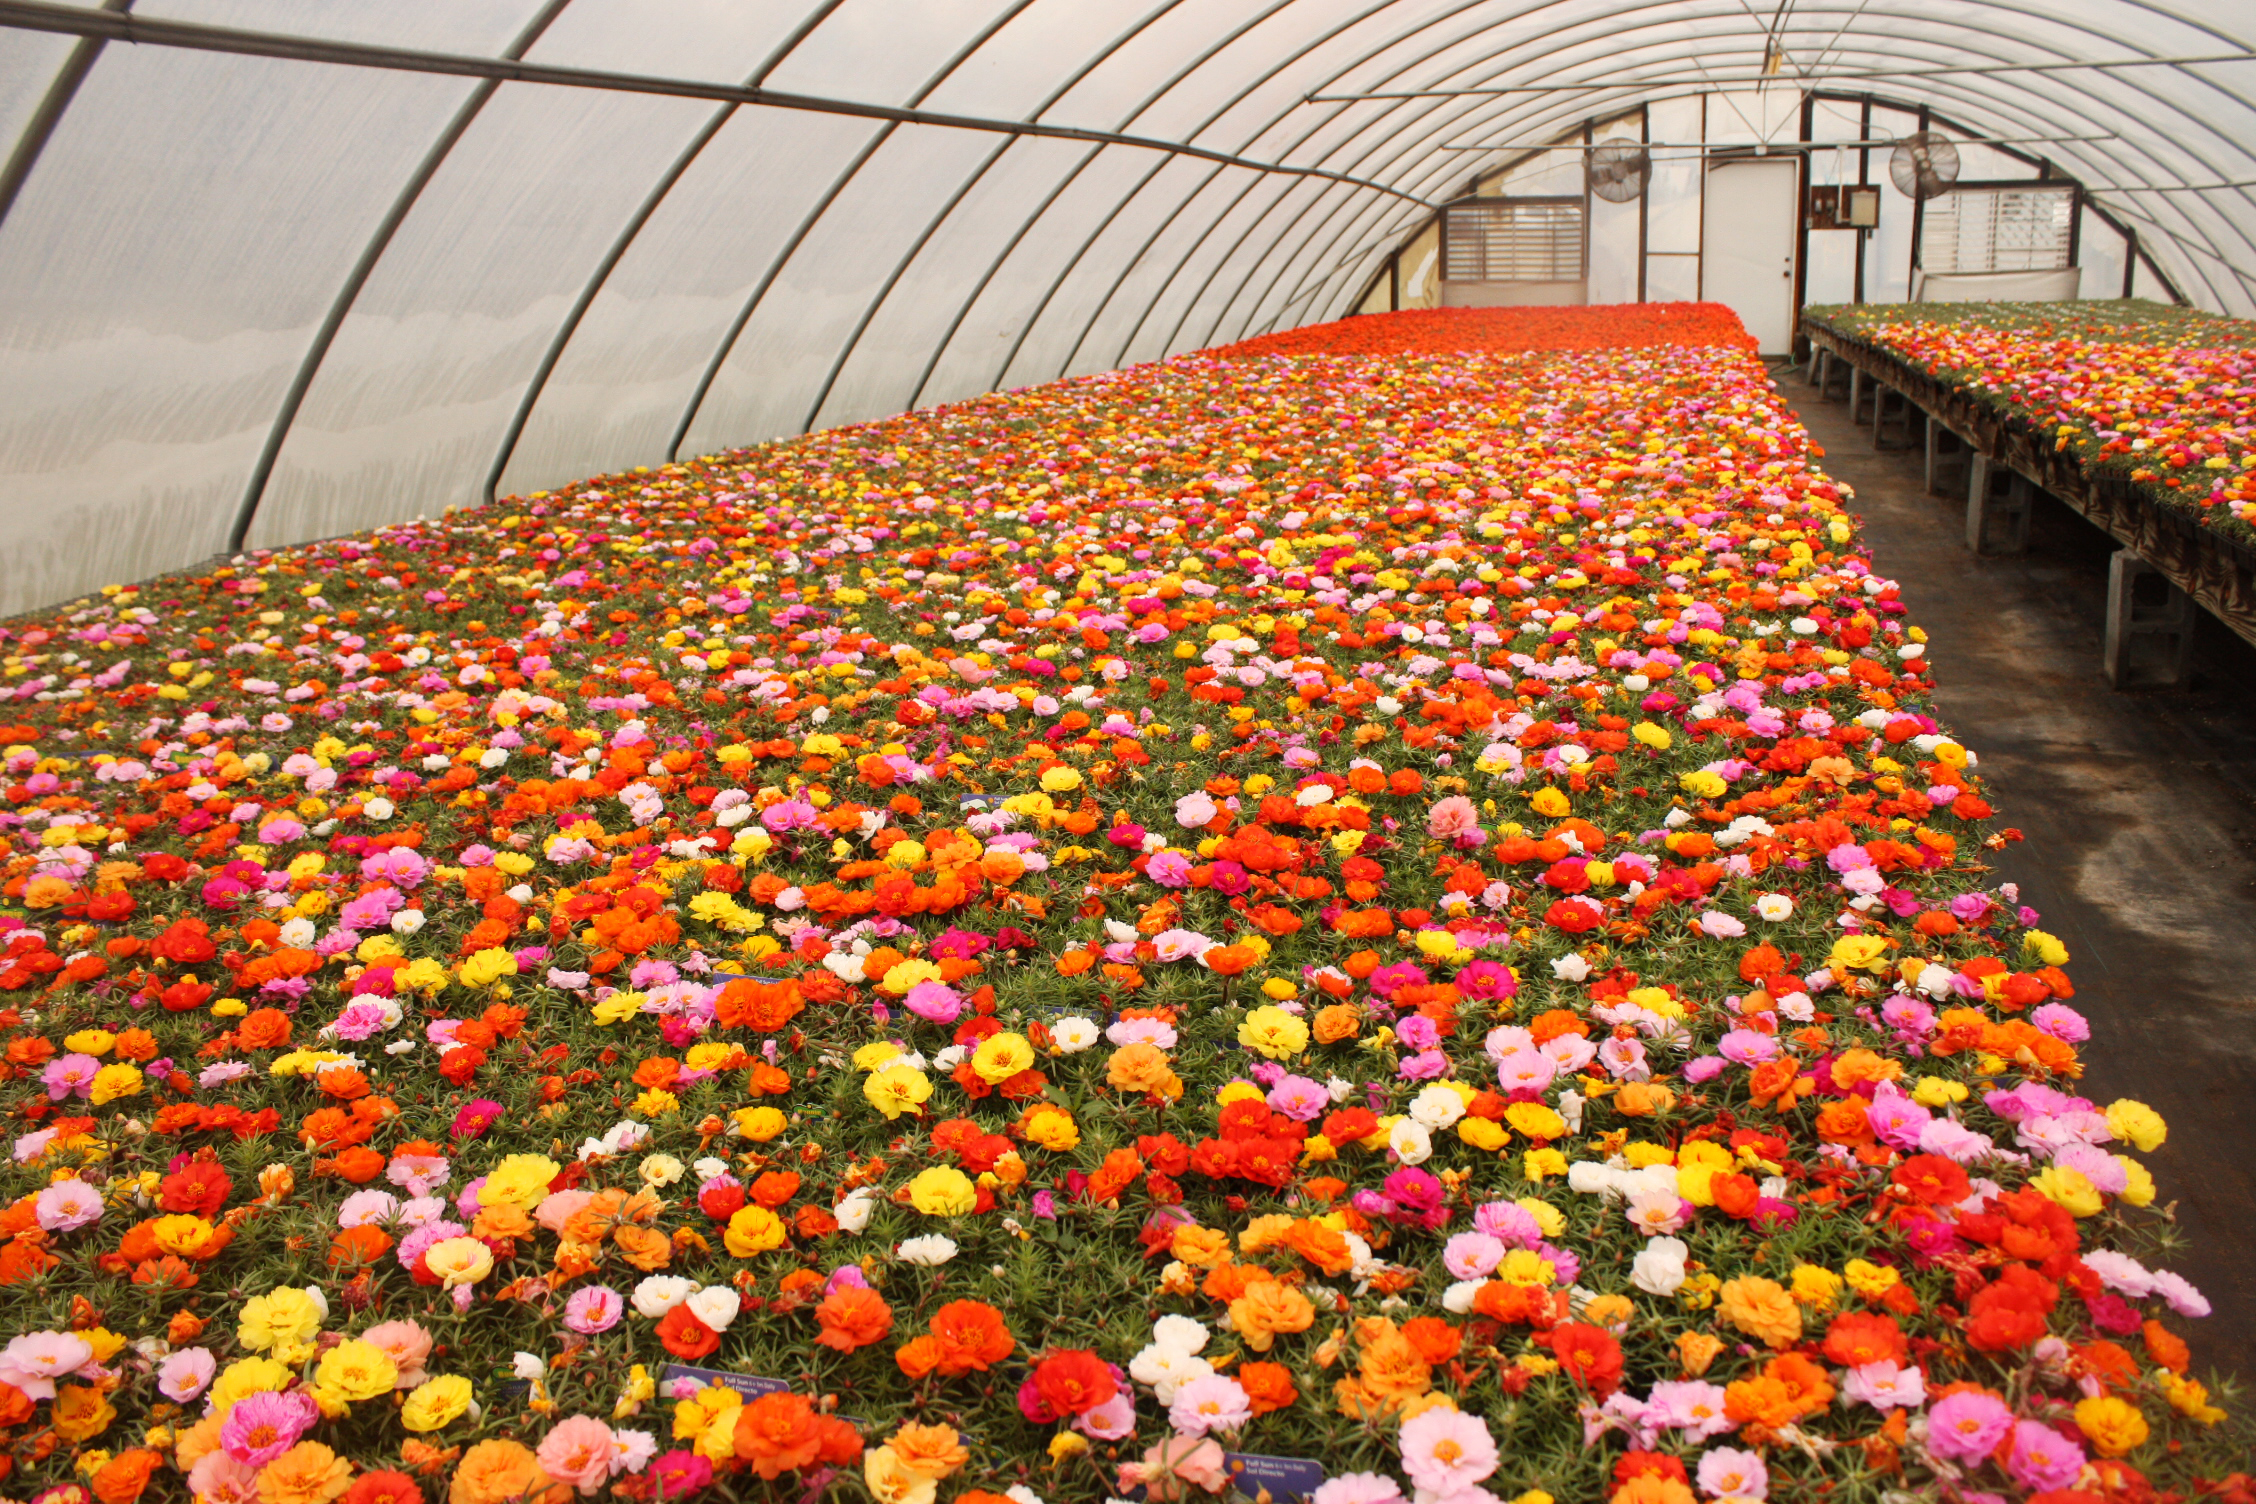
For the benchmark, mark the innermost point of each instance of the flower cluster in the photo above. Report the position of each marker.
(1405, 910)
(2164, 398)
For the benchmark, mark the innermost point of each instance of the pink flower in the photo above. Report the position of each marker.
(1884, 1386)
(185, 1374)
(417, 1174)
(1447, 1452)
(1452, 818)
(578, 1451)
(1175, 1466)
(219, 1479)
(1114, 1420)
(68, 1205)
(407, 1345)
(1471, 1255)
(33, 1363)
(2042, 1458)
(1967, 1426)
(596, 1308)
(72, 1074)
(934, 1002)
(1214, 1402)
(262, 1426)
(1732, 1472)
(1358, 1488)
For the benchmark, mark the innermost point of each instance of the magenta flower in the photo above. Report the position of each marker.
(1967, 1426)
(593, 1309)
(262, 1426)
(70, 1075)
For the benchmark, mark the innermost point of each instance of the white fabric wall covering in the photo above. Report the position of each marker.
(592, 277)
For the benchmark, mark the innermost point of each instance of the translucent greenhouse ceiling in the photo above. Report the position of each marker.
(281, 269)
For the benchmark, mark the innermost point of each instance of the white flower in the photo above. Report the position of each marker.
(660, 1169)
(527, 1366)
(853, 1213)
(1658, 1268)
(716, 1306)
(943, 1060)
(378, 808)
(1163, 1369)
(1458, 1299)
(320, 1301)
(407, 921)
(298, 934)
(1410, 1142)
(709, 1166)
(660, 1293)
(1181, 1333)
(1570, 968)
(930, 1251)
(1074, 1034)
(1796, 1006)
(1437, 1107)
(1019, 1493)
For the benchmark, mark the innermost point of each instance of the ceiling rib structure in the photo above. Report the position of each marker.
(281, 269)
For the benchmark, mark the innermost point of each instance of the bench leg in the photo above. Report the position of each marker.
(1997, 520)
(2167, 623)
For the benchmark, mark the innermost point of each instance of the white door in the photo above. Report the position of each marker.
(1747, 246)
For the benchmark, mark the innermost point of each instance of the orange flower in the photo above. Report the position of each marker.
(502, 1472)
(1268, 1309)
(308, 1473)
(121, 1479)
(934, 1452)
(970, 1335)
(853, 1316)
(1268, 1385)
(777, 1434)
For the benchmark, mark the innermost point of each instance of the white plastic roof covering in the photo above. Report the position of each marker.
(340, 264)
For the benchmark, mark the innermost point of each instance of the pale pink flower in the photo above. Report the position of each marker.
(578, 1451)
(1447, 1452)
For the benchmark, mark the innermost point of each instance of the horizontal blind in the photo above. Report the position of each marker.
(1997, 230)
(1513, 240)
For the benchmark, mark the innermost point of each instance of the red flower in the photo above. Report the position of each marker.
(1931, 1180)
(685, 1336)
(1589, 1356)
(1073, 1380)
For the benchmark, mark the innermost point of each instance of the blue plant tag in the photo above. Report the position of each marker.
(750, 1385)
(1282, 1477)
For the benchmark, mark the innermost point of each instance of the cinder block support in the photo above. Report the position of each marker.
(2141, 616)
(1857, 385)
(1997, 517)
(1907, 413)
(1946, 451)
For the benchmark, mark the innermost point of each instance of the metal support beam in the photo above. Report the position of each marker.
(38, 15)
(43, 120)
(310, 363)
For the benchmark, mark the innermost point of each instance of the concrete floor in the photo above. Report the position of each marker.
(2140, 813)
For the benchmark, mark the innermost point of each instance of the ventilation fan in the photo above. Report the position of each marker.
(1619, 168)
(1923, 165)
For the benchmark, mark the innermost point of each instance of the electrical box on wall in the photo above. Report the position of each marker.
(1853, 206)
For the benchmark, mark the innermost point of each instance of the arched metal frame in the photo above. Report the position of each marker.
(1324, 189)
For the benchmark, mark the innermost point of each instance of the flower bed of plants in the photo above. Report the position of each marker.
(1419, 331)
(1396, 927)
(2162, 397)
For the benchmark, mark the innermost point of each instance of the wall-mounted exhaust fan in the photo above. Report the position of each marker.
(1923, 164)
(1619, 169)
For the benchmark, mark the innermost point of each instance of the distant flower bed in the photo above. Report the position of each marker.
(1381, 927)
(2164, 397)
(1619, 326)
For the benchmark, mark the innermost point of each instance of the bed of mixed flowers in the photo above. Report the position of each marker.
(2160, 396)
(1401, 913)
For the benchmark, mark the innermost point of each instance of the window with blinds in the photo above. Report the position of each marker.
(1513, 240)
(1997, 230)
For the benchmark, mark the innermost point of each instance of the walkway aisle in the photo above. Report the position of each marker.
(2140, 812)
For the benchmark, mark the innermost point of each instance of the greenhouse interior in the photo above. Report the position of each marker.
(1034, 751)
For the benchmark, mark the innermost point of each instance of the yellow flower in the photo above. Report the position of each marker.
(1871, 1280)
(1534, 1120)
(942, 1191)
(283, 1317)
(618, 1008)
(1702, 784)
(1000, 1056)
(244, 1377)
(905, 975)
(1541, 1164)
(81, 1412)
(115, 1080)
(892, 1482)
(2138, 1186)
(897, 1089)
(1550, 803)
(2112, 1425)
(488, 967)
(1061, 780)
(760, 1124)
(1816, 1286)
(436, 1402)
(1858, 953)
(2046, 948)
(520, 1180)
(1271, 1031)
(654, 1102)
(95, 1042)
(357, 1370)
(2069, 1190)
(872, 1056)
(1935, 1091)
(459, 1261)
(1651, 735)
(1482, 1133)
(753, 1230)
(2137, 1125)
(1549, 1220)
(1053, 1128)
(1525, 1267)
(2189, 1397)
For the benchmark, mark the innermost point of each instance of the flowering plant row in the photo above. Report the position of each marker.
(1628, 326)
(1403, 914)
(2163, 397)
